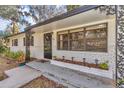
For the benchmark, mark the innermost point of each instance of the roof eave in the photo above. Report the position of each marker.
(65, 15)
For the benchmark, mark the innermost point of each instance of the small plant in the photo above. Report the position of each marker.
(104, 65)
(18, 56)
(54, 57)
(121, 81)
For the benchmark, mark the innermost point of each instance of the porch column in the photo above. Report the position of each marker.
(27, 50)
(120, 45)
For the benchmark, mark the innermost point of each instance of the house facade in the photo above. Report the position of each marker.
(85, 33)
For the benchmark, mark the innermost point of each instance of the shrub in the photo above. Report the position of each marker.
(104, 65)
(121, 81)
(18, 56)
(2, 49)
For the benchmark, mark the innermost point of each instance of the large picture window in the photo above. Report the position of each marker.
(91, 38)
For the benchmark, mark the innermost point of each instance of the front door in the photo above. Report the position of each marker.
(48, 45)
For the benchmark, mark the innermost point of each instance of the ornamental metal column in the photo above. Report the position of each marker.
(120, 45)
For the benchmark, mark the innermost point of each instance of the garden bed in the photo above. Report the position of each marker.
(42, 82)
(2, 76)
(6, 64)
(90, 65)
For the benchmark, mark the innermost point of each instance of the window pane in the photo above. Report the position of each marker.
(96, 45)
(96, 27)
(76, 40)
(63, 41)
(99, 33)
(24, 41)
(96, 39)
(15, 42)
(77, 35)
(77, 45)
(32, 41)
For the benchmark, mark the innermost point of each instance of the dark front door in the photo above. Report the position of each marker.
(48, 45)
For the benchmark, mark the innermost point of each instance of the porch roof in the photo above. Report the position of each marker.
(60, 17)
(64, 15)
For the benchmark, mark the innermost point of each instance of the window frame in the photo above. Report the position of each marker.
(15, 42)
(32, 41)
(85, 39)
(24, 41)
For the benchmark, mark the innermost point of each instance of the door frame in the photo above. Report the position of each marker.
(47, 54)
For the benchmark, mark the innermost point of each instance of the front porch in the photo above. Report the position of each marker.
(69, 77)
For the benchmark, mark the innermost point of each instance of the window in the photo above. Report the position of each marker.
(24, 41)
(32, 41)
(15, 42)
(12, 43)
(96, 38)
(63, 40)
(91, 38)
(76, 40)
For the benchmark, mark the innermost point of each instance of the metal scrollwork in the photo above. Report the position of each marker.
(120, 45)
(108, 9)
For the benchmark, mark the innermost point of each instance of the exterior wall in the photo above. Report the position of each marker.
(37, 49)
(91, 56)
(20, 46)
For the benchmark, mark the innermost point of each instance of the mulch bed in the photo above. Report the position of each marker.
(42, 60)
(90, 65)
(6, 64)
(42, 82)
(3, 76)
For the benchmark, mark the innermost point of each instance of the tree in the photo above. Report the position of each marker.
(71, 7)
(27, 15)
(10, 13)
(40, 13)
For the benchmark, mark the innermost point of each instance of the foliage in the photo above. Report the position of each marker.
(8, 11)
(19, 15)
(121, 81)
(18, 56)
(40, 12)
(104, 65)
(72, 7)
(2, 49)
(54, 57)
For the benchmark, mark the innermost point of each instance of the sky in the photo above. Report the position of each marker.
(3, 24)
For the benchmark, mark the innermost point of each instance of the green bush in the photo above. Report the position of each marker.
(13, 55)
(104, 65)
(121, 81)
(2, 49)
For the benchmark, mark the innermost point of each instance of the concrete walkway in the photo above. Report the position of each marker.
(71, 78)
(19, 76)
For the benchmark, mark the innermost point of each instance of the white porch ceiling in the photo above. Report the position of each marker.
(79, 19)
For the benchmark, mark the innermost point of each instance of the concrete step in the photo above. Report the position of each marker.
(19, 76)
(70, 77)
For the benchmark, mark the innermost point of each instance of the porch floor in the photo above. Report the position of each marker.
(71, 78)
